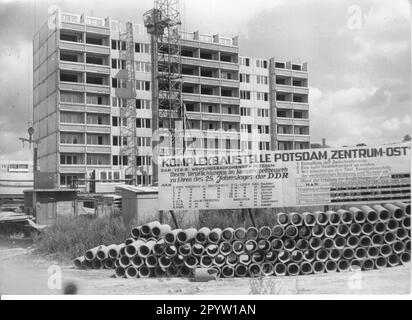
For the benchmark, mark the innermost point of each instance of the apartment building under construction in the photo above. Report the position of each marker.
(93, 100)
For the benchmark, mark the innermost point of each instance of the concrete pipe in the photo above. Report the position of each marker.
(365, 241)
(79, 262)
(238, 247)
(331, 266)
(296, 219)
(405, 258)
(133, 248)
(152, 261)
(389, 237)
(165, 262)
(202, 235)
(318, 267)
(159, 231)
(396, 212)
(377, 239)
(373, 252)
(159, 272)
(356, 265)
(383, 214)
(170, 251)
(240, 234)
(185, 272)
(280, 269)
(283, 219)
(250, 245)
(136, 233)
(361, 253)
(172, 271)
(355, 229)
(146, 249)
(318, 231)
(328, 243)
(306, 268)
(309, 219)
(271, 256)
(90, 255)
(144, 272)
(191, 261)
(206, 261)
(289, 245)
(87, 264)
(212, 250)
(125, 261)
(398, 247)
(408, 245)
(358, 215)
(406, 207)
(406, 223)
(252, 233)
(114, 252)
(343, 266)
(381, 263)
(131, 273)
(232, 259)
(291, 232)
(198, 249)
(130, 241)
(109, 264)
(302, 244)
(331, 231)
(296, 256)
(228, 272)
(343, 230)
(264, 245)
(255, 270)
(340, 242)
(353, 241)
(257, 257)
(215, 235)
(217, 270)
(309, 255)
(402, 234)
(265, 232)
(322, 218)
(345, 216)
(97, 264)
(385, 250)
(304, 232)
(293, 269)
(315, 243)
(368, 265)
(245, 259)
(322, 255)
(367, 229)
(185, 250)
(392, 225)
(371, 215)
(137, 262)
(116, 263)
(284, 256)
(278, 231)
(380, 228)
(159, 248)
(225, 248)
(348, 253)
(219, 260)
(171, 237)
(241, 271)
(178, 260)
(393, 260)
(335, 254)
(120, 272)
(187, 235)
(122, 251)
(146, 229)
(277, 244)
(333, 218)
(228, 234)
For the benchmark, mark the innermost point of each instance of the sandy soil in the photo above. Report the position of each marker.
(22, 272)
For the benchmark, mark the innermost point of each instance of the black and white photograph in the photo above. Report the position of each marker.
(220, 149)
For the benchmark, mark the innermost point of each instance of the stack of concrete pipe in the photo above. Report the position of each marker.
(365, 238)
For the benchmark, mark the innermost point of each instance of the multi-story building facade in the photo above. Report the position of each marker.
(83, 94)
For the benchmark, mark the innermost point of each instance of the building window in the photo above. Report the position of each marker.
(142, 85)
(263, 129)
(119, 83)
(245, 95)
(262, 96)
(118, 64)
(244, 78)
(119, 45)
(262, 80)
(70, 159)
(98, 159)
(71, 117)
(245, 112)
(264, 146)
(71, 138)
(142, 104)
(142, 67)
(263, 113)
(142, 48)
(98, 139)
(244, 61)
(143, 142)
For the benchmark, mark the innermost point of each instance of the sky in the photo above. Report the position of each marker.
(359, 56)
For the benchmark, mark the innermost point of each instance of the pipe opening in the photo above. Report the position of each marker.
(343, 265)
(304, 232)
(159, 272)
(244, 259)
(389, 237)
(401, 234)
(131, 251)
(293, 269)
(309, 255)
(392, 225)
(347, 217)
(198, 249)
(355, 229)
(315, 243)
(185, 250)
(241, 271)
(219, 260)
(372, 216)
(365, 241)
(201, 237)
(360, 216)
(386, 250)
(252, 233)
(165, 262)
(137, 261)
(228, 272)
(280, 269)
(398, 214)
(306, 268)
(278, 231)
(335, 254)
(257, 257)
(297, 256)
(238, 247)
(145, 230)
(356, 265)
(156, 231)
(318, 267)
(328, 243)
(232, 259)
(212, 250)
(265, 232)
(343, 230)
(322, 218)
(178, 260)
(353, 241)
(284, 256)
(185, 272)
(361, 253)
(151, 261)
(119, 272)
(381, 262)
(190, 261)
(181, 237)
(330, 231)
(271, 256)
(264, 245)
(393, 260)
(89, 255)
(131, 272)
(331, 266)
(78, 263)
(129, 241)
(206, 261)
(406, 223)
(250, 245)
(334, 218)
(267, 269)
(170, 238)
(340, 242)
(302, 244)
(296, 219)
(322, 255)
(310, 219)
(136, 233)
(373, 252)
(289, 244)
(318, 231)
(405, 257)
(144, 251)
(113, 254)
(227, 235)
(158, 249)
(283, 218)
(240, 234)
(377, 240)
(277, 244)
(172, 271)
(97, 264)
(170, 251)
(124, 261)
(384, 215)
(408, 245)
(348, 253)
(368, 265)
(380, 227)
(398, 247)
(367, 229)
(214, 237)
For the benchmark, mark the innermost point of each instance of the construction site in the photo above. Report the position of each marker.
(165, 163)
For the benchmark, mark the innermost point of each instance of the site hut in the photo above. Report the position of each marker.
(82, 100)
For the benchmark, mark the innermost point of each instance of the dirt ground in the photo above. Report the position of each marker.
(22, 272)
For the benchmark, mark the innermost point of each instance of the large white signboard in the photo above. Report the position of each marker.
(286, 178)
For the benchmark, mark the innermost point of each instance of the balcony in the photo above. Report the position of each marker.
(302, 138)
(284, 121)
(285, 137)
(292, 105)
(291, 73)
(84, 67)
(97, 49)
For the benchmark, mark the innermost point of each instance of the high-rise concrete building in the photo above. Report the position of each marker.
(86, 111)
